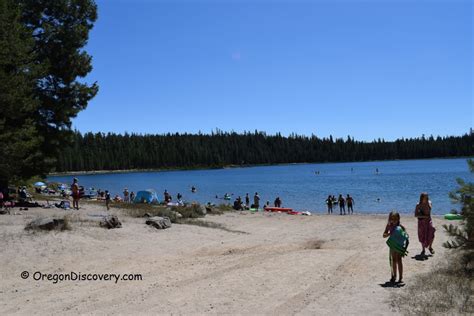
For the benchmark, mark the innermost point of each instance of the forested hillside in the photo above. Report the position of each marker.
(114, 151)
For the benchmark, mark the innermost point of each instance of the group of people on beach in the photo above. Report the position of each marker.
(398, 239)
(168, 198)
(128, 197)
(77, 192)
(349, 201)
(239, 205)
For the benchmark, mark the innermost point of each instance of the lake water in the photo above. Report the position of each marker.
(397, 185)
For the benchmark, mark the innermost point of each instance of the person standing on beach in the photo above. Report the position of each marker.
(350, 203)
(398, 244)
(426, 231)
(75, 194)
(167, 196)
(329, 204)
(107, 200)
(256, 200)
(277, 202)
(132, 196)
(247, 200)
(126, 197)
(342, 204)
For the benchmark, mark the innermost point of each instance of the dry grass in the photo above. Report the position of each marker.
(188, 221)
(157, 211)
(213, 210)
(448, 289)
(190, 211)
(140, 210)
(225, 207)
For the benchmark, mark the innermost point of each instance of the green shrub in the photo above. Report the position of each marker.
(189, 211)
(140, 210)
(446, 290)
(463, 234)
(225, 207)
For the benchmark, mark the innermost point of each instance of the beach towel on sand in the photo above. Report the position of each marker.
(398, 241)
(64, 205)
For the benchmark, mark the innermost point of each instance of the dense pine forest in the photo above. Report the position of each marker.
(118, 152)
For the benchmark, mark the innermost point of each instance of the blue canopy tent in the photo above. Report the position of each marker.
(147, 196)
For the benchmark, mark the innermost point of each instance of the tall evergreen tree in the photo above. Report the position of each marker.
(20, 149)
(48, 35)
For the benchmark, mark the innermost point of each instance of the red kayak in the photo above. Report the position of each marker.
(294, 213)
(278, 209)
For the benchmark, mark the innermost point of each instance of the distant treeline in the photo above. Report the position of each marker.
(133, 151)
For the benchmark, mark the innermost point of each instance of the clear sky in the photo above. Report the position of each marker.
(367, 69)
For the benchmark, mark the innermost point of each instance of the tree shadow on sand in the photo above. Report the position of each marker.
(392, 284)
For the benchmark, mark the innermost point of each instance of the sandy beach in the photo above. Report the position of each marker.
(262, 263)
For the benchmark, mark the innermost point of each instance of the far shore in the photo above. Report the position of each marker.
(94, 172)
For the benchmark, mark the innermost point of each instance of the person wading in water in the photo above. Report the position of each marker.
(342, 204)
(350, 203)
(256, 200)
(329, 204)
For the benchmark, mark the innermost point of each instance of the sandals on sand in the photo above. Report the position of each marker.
(431, 251)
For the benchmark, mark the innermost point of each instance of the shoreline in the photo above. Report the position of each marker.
(117, 171)
(378, 213)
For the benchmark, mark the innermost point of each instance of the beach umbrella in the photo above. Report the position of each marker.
(40, 184)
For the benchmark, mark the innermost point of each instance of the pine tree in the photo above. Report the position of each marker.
(463, 235)
(41, 58)
(20, 142)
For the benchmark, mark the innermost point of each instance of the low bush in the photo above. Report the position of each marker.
(447, 289)
(142, 210)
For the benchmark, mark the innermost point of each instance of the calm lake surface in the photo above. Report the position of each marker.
(397, 185)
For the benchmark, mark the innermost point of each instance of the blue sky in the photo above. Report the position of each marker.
(367, 69)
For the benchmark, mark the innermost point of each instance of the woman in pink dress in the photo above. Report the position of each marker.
(426, 231)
